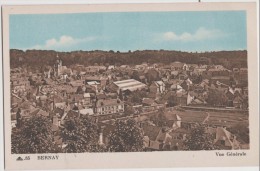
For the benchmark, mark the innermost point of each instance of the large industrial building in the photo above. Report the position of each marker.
(130, 84)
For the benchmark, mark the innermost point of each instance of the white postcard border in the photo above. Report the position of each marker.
(143, 159)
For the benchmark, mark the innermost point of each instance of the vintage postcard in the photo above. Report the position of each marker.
(130, 86)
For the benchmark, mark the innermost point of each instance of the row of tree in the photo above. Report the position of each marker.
(81, 135)
(41, 58)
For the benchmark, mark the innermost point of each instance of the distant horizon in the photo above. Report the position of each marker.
(190, 31)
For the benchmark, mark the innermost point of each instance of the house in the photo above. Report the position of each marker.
(197, 102)
(230, 94)
(157, 87)
(174, 73)
(61, 105)
(173, 120)
(124, 66)
(220, 67)
(87, 99)
(198, 70)
(58, 99)
(102, 80)
(150, 134)
(13, 120)
(141, 67)
(235, 70)
(241, 78)
(191, 67)
(225, 139)
(65, 90)
(109, 106)
(76, 98)
(39, 112)
(166, 138)
(213, 72)
(204, 83)
(177, 66)
(92, 70)
(95, 85)
(25, 108)
(148, 102)
(87, 111)
(77, 83)
(20, 85)
(111, 67)
(182, 76)
(15, 100)
(46, 89)
(238, 102)
(177, 88)
(243, 71)
(101, 96)
(151, 105)
(223, 79)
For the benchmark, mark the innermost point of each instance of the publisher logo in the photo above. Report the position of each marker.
(19, 159)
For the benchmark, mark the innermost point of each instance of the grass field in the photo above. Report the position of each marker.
(227, 119)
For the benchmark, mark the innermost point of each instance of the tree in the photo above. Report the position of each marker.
(127, 137)
(135, 75)
(29, 95)
(129, 110)
(137, 96)
(152, 75)
(79, 134)
(241, 130)
(199, 139)
(216, 98)
(34, 136)
(18, 118)
(159, 119)
(97, 148)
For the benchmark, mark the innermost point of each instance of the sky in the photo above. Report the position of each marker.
(123, 31)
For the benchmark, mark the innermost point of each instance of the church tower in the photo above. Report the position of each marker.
(57, 66)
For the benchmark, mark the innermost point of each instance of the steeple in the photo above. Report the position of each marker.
(57, 65)
(59, 62)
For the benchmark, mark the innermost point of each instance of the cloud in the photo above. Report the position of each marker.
(198, 35)
(63, 42)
